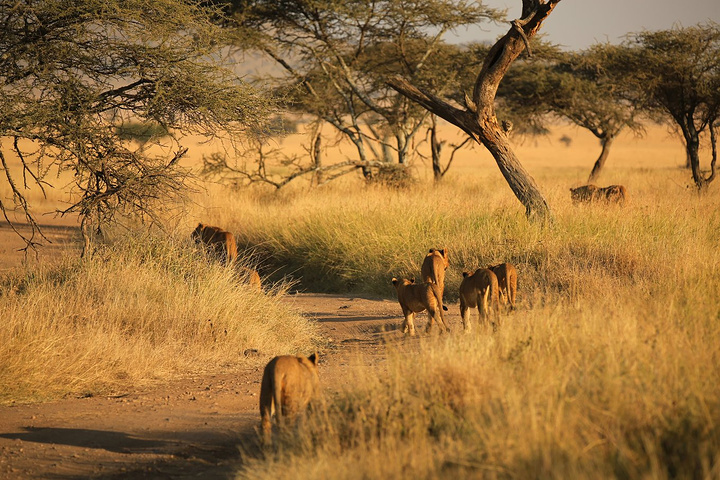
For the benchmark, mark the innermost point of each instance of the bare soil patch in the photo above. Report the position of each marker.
(192, 427)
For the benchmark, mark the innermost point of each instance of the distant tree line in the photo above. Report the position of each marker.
(80, 80)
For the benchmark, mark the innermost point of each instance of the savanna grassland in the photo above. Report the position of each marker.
(609, 368)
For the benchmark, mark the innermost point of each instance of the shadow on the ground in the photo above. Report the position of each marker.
(150, 458)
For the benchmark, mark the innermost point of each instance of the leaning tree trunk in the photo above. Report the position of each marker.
(606, 143)
(478, 119)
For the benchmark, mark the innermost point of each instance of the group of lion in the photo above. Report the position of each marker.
(592, 193)
(290, 382)
(483, 289)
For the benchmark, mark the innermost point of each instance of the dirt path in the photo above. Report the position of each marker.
(188, 428)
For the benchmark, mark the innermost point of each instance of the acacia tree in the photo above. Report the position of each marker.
(337, 55)
(588, 95)
(676, 74)
(576, 86)
(72, 73)
(478, 118)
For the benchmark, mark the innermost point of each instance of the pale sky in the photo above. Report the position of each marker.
(577, 24)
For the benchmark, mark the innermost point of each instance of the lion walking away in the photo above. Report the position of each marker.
(479, 290)
(219, 242)
(433, 268)
(415, 298)
(506, 274)
(289, 383)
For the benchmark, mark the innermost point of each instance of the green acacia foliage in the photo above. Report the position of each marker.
(72, 73)
(675, 74)
(336, 57)
(577, 86)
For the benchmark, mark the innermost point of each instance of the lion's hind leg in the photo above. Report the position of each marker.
(465, 314)
(409, 323)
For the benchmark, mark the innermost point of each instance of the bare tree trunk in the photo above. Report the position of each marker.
(435, 150)
(478, 119)
(606, 143)
(692, 146)
(316, 157)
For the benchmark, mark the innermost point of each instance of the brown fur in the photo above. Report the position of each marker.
(434, 266)
(480, 290)
(415, 298)
(219, 242)
(507, 281)
(288, 385)
(592, 193)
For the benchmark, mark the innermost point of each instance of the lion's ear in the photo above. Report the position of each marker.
(443, 252)
(314, 358)
(394, 281)
(412, 280)
(431, 250)
(466, 274)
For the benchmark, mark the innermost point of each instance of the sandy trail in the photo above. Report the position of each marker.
(193, 427)
(187, 428)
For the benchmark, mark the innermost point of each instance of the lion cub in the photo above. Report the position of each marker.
(220, 242)
(415, 298)
(480, 290)
(288, 385)
(507, 280)
(433, 268)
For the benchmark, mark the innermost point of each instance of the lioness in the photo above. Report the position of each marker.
(615, 194)
(592, 193)
(480, 290)
(220, 242)
(433, 268)
(415, 298)
(507, 280)
(288, 385)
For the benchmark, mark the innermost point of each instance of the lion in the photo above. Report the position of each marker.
(433, 268)
(415, 298)
(220, 242)
(592, 193)
(479, 290)
(289, 383)
(615, 194)
(585, 193)
(507, 280)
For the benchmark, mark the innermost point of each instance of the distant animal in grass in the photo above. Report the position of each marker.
(433, 268)
(479, 290)
(592, 193)
(506, 274)
(250, 276)
(289, 383)
(220, 243)
(419, 297)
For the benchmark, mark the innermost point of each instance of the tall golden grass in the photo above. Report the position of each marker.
(610, 368)
(141, 311)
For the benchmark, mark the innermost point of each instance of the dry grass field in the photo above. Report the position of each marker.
(609, 368)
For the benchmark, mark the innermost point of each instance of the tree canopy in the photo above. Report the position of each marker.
(72, 73)
(337, 55)
(675, 74)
